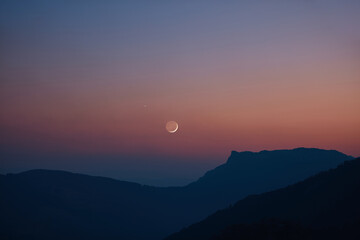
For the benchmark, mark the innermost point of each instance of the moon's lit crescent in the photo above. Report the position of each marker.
(175, 129)
(172, 126)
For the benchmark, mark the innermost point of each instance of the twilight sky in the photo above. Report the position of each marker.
(88, 86)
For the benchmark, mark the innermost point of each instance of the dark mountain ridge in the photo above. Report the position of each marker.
(247, 173)
(329, 200)
(45, 204)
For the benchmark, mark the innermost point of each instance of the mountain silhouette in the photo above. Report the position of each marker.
(325, 206)
(250, 173)
(46, 204)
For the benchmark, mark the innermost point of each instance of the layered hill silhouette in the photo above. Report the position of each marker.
(45, 204)
(256, 172)
(325, 206)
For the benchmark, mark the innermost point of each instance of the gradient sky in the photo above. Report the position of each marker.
(88, 86)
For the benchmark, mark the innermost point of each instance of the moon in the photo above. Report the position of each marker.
(172, 126)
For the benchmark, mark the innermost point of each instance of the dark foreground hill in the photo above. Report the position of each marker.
(43, 204)
(325, 206)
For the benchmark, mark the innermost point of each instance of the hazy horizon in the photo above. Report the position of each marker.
(178, 174)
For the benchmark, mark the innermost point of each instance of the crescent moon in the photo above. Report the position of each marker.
(172, 126)
(177, 126)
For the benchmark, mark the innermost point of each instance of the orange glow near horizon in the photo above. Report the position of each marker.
(280, 113)
(245, 80)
